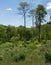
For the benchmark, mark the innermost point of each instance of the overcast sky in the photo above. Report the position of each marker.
(8, 11)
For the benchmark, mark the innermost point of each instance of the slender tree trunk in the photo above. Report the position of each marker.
(32, 21)
(24, 27)
(32, 25)
(39, 34)
(39, 30)
(24, 20)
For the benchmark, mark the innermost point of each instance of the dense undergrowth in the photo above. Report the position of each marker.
(25, 54)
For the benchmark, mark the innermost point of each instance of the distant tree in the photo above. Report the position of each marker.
(23, 8)
(3, 35)
(32, 14)
(11, 31)
(40, 14)
(21, 32)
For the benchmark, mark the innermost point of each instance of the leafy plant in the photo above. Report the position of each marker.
(48, 56)
(1, 57)
(44, 41)
(19, 56)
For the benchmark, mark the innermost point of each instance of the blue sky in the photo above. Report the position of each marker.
(8, 11)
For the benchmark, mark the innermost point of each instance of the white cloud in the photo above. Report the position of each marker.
(47, 17)
(9, 9)
(48, 6)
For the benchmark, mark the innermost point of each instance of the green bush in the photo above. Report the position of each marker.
(20, 43)
(32, 40)
(42, 49)
(31, 46)
(44, 41)
(19, 56)
(48, 56)
(22, 55)
(36, 42)
(14, 39)
(1, 57)
(27, 42)
(16, 58)
(7, 44)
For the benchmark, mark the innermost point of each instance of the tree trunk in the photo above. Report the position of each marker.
(32, 21)
(39, 34)
(24, 20)
(24, 26)
(39, 30)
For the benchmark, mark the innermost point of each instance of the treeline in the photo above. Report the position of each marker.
(13, 34)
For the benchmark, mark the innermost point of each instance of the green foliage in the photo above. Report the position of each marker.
(41, 11)
(20, 43)
(31, 46)
(21, 32)
(1, 57)
(11, 31)
(48, 56)
(25, 34)
(28, 34)
(15, 34)
(3, 34)
(19, 55)
(46, 32)
(44, 41)
(6, 45)
(14, 39)
(28, 55)
(36, 42)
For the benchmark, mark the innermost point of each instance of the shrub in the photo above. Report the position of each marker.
(16, 57)
(36, 42)
(20, 43)
(27, 42)
(22, 56)
(12, 53)
(24, 45)
(19, 56)
(32, 40)
(7, 44)
(1, 57)
(44, 41)
(42, 49)
(14, 39)
(48, 56)
(32, 46)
